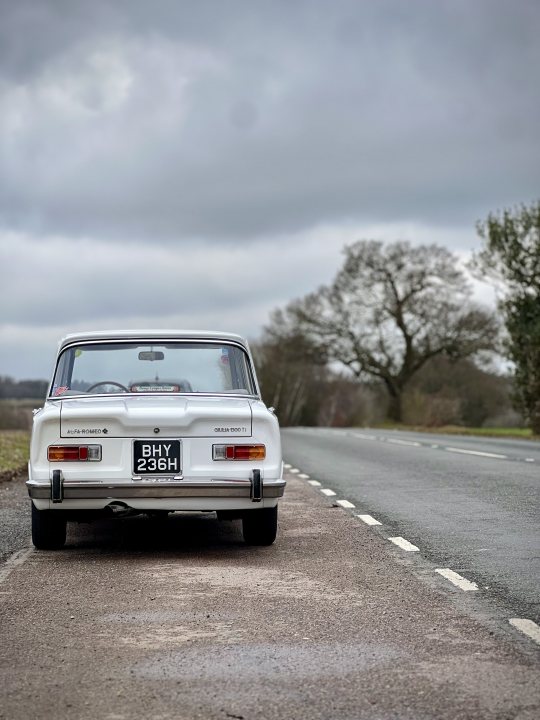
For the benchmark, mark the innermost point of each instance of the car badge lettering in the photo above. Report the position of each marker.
(230, 429)
(86, 431)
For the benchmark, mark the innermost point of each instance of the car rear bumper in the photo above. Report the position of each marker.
(156, 490)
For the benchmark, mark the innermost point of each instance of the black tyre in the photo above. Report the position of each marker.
(48, 529)
(259, 527)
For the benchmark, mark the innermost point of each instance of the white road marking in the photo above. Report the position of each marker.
(404, 442)
(404, 544)
(18, 558)
(294, 470)
(413, 443)
(345, 504)
(369, 520)
(528, 627)
(303, 476)
(457, 579)
(476, 452)
(287, 466)
(315, 483)
(327, 492)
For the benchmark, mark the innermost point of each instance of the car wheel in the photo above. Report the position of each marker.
(259, 527)
(48, 529)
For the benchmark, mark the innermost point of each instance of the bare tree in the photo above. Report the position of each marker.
(389, 310)
(289, 380)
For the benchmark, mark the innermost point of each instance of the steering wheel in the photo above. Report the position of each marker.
(107, 382)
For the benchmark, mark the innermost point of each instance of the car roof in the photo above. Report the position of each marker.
(211, 335)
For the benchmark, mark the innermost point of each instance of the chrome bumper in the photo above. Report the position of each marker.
(151, 489)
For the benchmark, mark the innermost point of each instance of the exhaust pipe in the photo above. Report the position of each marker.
(118, 509)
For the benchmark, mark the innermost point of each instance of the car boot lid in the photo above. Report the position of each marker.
(147, 416)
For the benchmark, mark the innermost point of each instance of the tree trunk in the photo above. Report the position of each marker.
(395, 410)
(535, 418)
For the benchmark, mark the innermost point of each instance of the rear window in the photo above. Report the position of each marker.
(106, 368)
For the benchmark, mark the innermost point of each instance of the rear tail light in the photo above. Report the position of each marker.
(77, 453)
(238, 452)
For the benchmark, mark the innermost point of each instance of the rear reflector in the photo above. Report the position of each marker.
(77, 453)
(238, 452)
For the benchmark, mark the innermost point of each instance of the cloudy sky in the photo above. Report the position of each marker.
(169, 163)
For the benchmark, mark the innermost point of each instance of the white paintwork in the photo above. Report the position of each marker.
(457, 579)
(150, 334)
(197, 421)
(411, 443)
(315, 483)
(345, 504)
(137, 415)
(368, 519)
(476, 452)
(404, 544)
(528, 627)
(327, 492)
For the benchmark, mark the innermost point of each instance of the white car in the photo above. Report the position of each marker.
(154, 422)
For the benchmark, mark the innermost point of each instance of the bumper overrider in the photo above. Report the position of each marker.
(156, 488)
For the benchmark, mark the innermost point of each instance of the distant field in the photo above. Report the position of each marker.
(14, 450)
(15, 425)
(17, 414)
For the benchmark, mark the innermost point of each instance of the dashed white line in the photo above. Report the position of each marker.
(528, 627)
(413, 443)
(404, 544)
(457, 579)
(18, 558)
(327, 492)
(345, 504)
(368, 519)
(303, 476)
(287, 466)
(315, 483)
(404, 442)
(476, 452)
(295, 471)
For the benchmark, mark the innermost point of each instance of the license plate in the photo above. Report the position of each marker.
(156, 457)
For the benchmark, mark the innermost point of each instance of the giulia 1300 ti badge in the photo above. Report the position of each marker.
(150, 422)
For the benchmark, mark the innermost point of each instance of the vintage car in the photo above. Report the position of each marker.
(154, 422)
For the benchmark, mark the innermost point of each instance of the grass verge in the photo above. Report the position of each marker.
(14, 451)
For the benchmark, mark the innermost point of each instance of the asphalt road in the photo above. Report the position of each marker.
(468, 504)
(179, 619)
(14, 518)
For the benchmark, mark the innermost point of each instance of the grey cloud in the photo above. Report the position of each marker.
(199, 163)
(172, 121)
(90, 282)
(52, 286)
